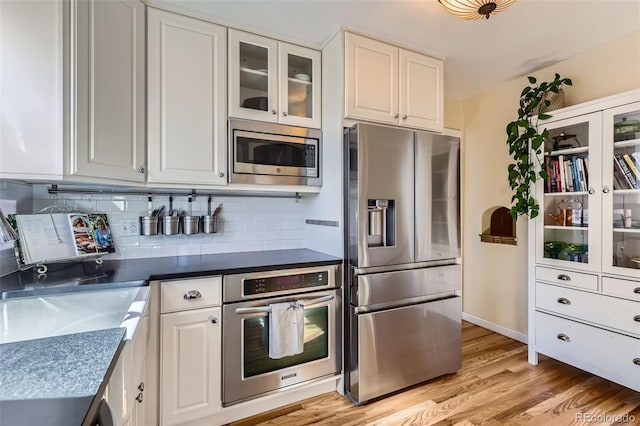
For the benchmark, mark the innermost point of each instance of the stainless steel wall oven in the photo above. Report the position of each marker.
(248, 371)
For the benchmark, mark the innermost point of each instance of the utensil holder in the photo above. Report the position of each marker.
(190, 224)
(209, 224)
(171, 225)
(149, 225)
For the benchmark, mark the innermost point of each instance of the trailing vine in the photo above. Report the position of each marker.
(525, 139)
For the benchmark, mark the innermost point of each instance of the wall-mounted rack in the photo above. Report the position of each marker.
(56, 189)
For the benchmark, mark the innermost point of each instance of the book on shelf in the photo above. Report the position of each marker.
(632, 166)
(48, 237)
(630, 178)
(568, 176)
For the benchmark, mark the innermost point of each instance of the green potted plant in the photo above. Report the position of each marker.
(525, 138)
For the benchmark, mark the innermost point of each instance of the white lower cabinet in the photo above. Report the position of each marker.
(190, 351)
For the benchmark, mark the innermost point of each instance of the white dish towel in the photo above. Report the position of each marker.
(286, 329)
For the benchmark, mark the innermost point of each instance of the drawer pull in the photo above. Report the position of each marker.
(636, 318)
(563, 337)
(636, 361)
(192, 294)
(213, 319)
(636, 290)
(564, 301)
(564, 277)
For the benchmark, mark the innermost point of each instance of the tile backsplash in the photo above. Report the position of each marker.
(246, 223)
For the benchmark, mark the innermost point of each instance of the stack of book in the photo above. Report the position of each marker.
(566, 174)
(626, 174)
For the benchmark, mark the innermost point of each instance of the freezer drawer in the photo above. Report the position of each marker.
(377, 291)
(400, 347)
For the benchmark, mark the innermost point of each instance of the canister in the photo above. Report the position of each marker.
(190, 224)
(148, 225)
(209, 224)
(171, 225)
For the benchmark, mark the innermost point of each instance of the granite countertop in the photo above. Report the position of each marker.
(53, 381)
(83, 275)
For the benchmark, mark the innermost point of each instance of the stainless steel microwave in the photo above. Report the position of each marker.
(273, 154)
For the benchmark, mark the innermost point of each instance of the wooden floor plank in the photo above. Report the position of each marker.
(495, 386)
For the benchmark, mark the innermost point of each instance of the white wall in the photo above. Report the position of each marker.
(247, 223)
(494, 275)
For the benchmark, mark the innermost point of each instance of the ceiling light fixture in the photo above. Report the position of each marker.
(474, 9)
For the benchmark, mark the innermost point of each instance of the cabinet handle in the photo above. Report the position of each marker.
(141, 387)
(396, 115)
(636, 318)
(221, 174)
(141, 170)
(564, 277)
(564, 301)
(139, 398)
(404, 117)
(636, 361)
(636, 290)
(274, 112)
(192, 294)
(284, 113)
(213, 320)
(563, 337)
(591, 191)
(605, 190)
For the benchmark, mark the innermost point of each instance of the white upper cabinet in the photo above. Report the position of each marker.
(107, 138)
(273, 81)
(386, 84)
(186, 100)
(31, 78)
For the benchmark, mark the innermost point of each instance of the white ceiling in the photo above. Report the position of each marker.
(529, 35)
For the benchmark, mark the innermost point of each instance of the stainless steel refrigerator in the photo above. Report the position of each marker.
(402, 215)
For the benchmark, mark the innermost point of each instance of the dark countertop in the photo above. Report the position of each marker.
(83, 275)
(54, 381)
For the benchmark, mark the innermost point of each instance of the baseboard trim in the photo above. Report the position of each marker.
(515, 335)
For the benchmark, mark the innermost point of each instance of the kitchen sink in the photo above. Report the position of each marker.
(34, 317)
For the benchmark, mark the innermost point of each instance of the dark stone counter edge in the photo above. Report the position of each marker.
(244, 270)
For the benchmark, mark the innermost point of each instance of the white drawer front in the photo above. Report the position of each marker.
(623, 288)
(573, 279)
(607, 354)
(190, 294)
(623, 315)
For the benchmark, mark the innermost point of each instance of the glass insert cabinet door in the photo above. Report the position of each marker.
(568, 230)
(621, 177)
(300, 87)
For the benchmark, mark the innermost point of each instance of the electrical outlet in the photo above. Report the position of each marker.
(129, 227)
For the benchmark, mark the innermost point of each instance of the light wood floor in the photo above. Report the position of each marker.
(496, 386)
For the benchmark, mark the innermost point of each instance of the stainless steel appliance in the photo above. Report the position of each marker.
(266, 153)
(403, 278)
(248, 372)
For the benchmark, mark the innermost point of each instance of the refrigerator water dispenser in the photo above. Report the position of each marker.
(381, 220)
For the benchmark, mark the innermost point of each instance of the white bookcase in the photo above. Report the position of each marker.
(584, 274)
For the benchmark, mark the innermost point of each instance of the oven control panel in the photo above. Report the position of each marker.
(281, 283)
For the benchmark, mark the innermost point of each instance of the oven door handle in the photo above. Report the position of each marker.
(303, 302)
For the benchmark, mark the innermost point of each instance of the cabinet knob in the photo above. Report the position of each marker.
(564, 301)
(274, 112)
(141, 170)
(591, 191)
(396, 115)
(404, 117)
(192, 294)
(213, 320)
(139, 398)
(564, 277)
(636, 361)
(141, 386)
(563, 337)
(605, 190)
(636, 318)
(284, 113)
(221, 174)
(636, 290)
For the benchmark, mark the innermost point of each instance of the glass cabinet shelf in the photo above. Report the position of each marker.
(579, 150)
